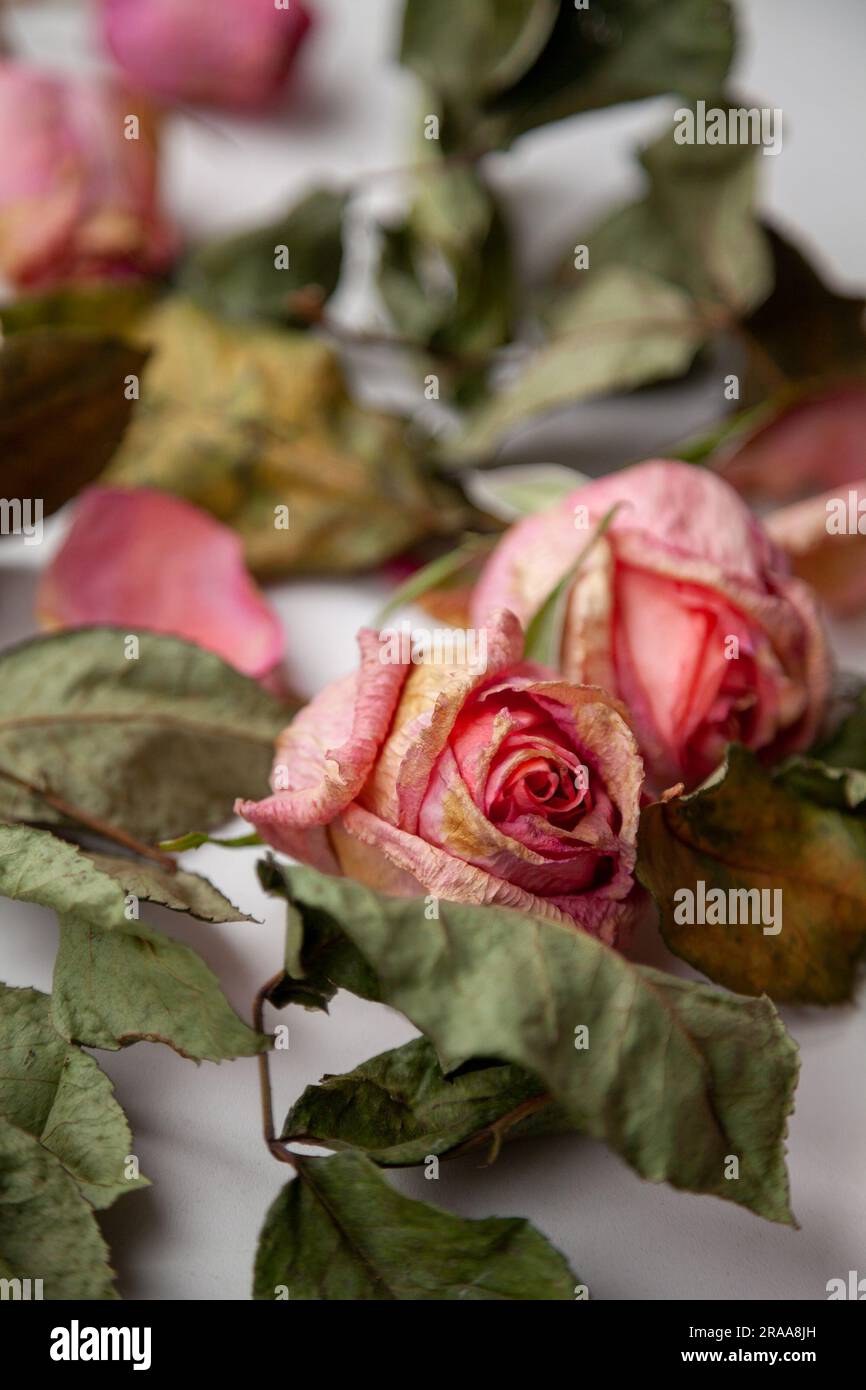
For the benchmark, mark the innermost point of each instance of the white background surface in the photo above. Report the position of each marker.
(192, 1235)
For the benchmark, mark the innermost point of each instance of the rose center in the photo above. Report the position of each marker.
(543, 785)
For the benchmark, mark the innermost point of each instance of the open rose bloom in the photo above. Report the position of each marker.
(77, 199)
(494, 782)
(683, 609)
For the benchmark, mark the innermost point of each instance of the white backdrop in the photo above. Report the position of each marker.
(192, 1235)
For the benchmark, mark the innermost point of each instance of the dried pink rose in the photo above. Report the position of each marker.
(145, 560)
(485, 782)
(683, 609)
(228, 53)
(78, 200)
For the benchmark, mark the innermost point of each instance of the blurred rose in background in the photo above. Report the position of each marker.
(78, 199)
(231, 53)
(683, 609)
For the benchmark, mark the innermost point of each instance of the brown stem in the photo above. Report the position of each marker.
(275, 1146)
(99, 827)
(497, 1131)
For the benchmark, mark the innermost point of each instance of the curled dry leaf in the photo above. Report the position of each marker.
(256, 426)
(339, 1231)
(57, 384)
(676, 1076)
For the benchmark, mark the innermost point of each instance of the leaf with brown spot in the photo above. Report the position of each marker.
(244, 420)
(748, 830)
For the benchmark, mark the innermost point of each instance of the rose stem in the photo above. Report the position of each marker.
(99, 827)
(276, 1148)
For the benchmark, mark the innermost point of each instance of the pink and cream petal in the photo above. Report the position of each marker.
(431, 701)
(440, 874)
(327, 753)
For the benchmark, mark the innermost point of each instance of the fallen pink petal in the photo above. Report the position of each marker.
(148, 561)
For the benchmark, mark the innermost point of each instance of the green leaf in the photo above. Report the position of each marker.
(317, 963)
(676, 1077)
(340, 1232)
(133, 984)
(446, 275)
(441, 573)
(180, 891)
(91, 889)
(841, 788)
(117, 980)
(194, 839)
(399, 1108)
(845, 746)
(545, 628)
(745, 831)
(522, 489)
(58, 384)
(622, 329)
(151, 746)
(239, 278)
(503, 69)
(474, 50)
(105, 307)
(37, 867)
(696, 227)
(248, 420)
(47, 1229)
(620, 50)
(57, 1094)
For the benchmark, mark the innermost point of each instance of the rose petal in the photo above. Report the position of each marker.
(833, 564)
(670, 516)
(431, 701)
(147, 560)
(424, 868)
(816, 443)
(327, 753)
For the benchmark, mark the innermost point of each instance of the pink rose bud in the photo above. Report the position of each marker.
(480, 780)
(147, 561)
(684, 609)
(78, 195)
(230, 53)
